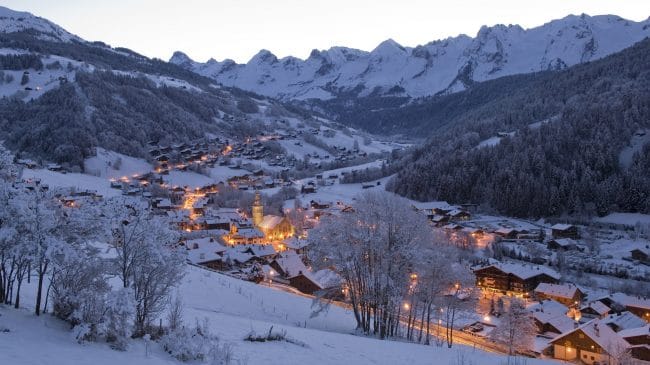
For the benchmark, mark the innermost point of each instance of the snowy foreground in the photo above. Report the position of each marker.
(233, 308)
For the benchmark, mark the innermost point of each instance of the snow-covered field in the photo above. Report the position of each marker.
(104, 163)
(72, 180)
(233, 309)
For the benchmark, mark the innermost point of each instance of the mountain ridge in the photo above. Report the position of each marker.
(440, 66)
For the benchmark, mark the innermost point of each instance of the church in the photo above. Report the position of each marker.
(274, 227)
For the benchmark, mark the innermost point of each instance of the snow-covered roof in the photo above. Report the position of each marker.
(524, 271)
(291, 263)
(600, 333)
(597, 306)
(631, 301)
(504, 231)
(259, 250)
(296, 243)
(636, 331)
(238, 256)
(250, 233)
(565, 242)
(549, 307)
(624, 320)
(567, 291)
(203, 250)
(432, 205)
(561, 226)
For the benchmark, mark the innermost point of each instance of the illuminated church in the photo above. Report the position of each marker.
(274, 227)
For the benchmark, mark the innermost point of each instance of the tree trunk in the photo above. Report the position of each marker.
(39, 292)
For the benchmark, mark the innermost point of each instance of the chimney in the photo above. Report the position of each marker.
(575, 325)
(596, 330)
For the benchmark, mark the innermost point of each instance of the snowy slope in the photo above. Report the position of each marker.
(444, 65)
(17, 21)
(233, 308)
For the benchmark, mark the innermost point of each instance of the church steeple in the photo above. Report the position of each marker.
(258, 210)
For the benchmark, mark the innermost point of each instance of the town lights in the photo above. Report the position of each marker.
(407, 306)
(486, 318)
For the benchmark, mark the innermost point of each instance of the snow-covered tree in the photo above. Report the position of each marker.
(516, 328)
(373, 249)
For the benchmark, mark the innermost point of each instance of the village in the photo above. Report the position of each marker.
(569, 275)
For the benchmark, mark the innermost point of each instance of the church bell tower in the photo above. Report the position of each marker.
(258, 210)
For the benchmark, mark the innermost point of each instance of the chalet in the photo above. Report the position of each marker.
(439, 220)
(565, 231)
(27, 163)
(551, 317)
(641, 254)
(296, 244)
(595, 309)
(318, 204)
(592, 343)
(458, 215)
(308, 189)
(451, 227)
(305, 282)
(567, 294)
(288, 264)
(434, 208)
(507, 233)
(264, 252)
(54, 167)
(206, 252)
(246, 236)
(636, 336)
(623, 321)
(637, 305)
(564, 244)
(515, 279)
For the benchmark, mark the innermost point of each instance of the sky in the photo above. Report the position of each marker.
(238, 29)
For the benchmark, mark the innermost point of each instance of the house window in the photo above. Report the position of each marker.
(584, 356)
(581, 335)
(593, 358)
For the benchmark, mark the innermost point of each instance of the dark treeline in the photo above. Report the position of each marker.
(20, 62)
(569, 164)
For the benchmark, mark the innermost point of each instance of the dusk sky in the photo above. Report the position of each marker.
(238, 29)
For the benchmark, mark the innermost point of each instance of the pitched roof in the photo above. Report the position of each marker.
(598, 306)
(636, 331)
(561, 227)
(523, 271)
(565, 242)
(631, 301)
(567, 291)
(600, 333)
(624, 320)
(291, 263)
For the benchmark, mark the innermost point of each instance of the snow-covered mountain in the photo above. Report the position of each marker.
(441, 66)
(16, 21)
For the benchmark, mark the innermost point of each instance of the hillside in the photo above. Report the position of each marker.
(233, 309)
(537, 145)
(442, 66)
(65, 96)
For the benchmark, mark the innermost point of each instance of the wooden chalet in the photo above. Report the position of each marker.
(565, 231)
(514, 279)
(567, 294)
(592, 343)
(563, 244)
